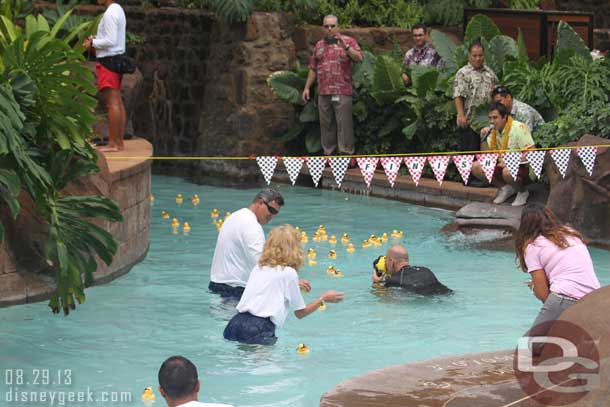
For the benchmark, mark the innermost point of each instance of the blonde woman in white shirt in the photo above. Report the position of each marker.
(273, 290)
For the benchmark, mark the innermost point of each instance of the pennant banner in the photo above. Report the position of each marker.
(293, 167)
(339, 167)
(488, 164)
(512, 160)
(316, 166)
(267, 165)
(439, 166)
(464, 165)
(415, 166)
(536, 160)
(367, 168)
(587, 156)
(562, 159)
(391, 165)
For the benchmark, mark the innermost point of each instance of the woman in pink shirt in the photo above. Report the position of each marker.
(557, 259)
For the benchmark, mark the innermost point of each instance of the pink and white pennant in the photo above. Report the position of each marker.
(391, 165)
(562, 159)
(339, 166)
(316, 167)
(293, 167)
(488, 164)
(415, 166)
(587, 156)
(512, 160)
(463, 164)
(536, 160)
(367, 168)
(439, 165)
(267, 165)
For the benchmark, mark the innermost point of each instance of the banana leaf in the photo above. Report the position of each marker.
(480, 28)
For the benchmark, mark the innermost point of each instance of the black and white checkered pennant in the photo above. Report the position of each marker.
(587, 156)
(293, 167)
(562, 159)
(267, 165)
(339, 167)
(536, 160)
(316, 166)
(512, 160)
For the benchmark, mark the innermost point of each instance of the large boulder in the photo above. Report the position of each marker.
(580, 199)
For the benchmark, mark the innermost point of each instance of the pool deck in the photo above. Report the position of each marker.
(448, 195)
(128, 182)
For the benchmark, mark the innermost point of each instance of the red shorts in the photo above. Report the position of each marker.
(106, 78)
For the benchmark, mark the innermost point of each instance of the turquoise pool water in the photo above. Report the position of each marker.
(116, 341)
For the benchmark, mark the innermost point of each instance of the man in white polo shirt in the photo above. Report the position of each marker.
(240, 244)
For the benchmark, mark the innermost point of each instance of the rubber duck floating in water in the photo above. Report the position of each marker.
(227, 215)
(332, 239)
(374, 240)
(179, 199)
(148, 394)
(164, 215)
(332, 254)
(366, 244)
(195, 200)
(186, 228)
(175, 223)
(345, 238)
(384, 237)
(219, 224)
(304, 238)
(337, 273)
(397, 234)
(330, 270)
(311, 253)
(312, 262)
(214, 213)
(350, 248)
(302, 348)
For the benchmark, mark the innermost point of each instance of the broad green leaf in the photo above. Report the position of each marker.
(523, 54)
(387, 83)
(424, 79)
(500, 49)
(312, 140)
(287, 85)
(410, 130)
(362, 72)
(569, 43)
(310, 113)
(480, 27)
(446, 49)
(60, 22)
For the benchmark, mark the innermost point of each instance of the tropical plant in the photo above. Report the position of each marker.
(46, 113)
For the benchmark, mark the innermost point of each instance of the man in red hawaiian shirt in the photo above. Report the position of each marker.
(331, 63)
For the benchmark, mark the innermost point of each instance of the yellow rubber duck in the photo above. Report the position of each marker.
(366, 244)
(175, 223)
(384, 237)
(148, 394)
(219, 224)
(332, 254)
(152, 198)
(186, 227)
(350, 248)
(397, 234)
(164, 215)
(302, 348)
(321, 229)
(322, 306)
(330, 270)
(195, 200)
(332, 239)
(374, 240)
(311, 253)
(345, 238)
(179, 199)
(227, 215)
(304, 238)
(316, 237)
(312, 262)
(214, 213)
(337, 274)
(323, 237)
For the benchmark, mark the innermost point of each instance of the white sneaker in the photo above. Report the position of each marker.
(505, 192)
(521, 198)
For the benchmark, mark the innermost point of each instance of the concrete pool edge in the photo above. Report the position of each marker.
(479, 379)
(128, 182)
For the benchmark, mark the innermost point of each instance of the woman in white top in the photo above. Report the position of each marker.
(273, 290)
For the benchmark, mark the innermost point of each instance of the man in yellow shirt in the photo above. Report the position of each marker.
(508, 134)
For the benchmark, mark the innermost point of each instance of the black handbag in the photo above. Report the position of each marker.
(120, 64)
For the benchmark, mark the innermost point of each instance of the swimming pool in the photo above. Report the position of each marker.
(116, 341)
